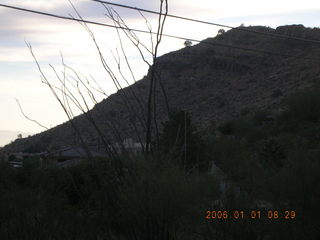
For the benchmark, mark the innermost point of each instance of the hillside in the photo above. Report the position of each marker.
(213, 83)
(7, 136)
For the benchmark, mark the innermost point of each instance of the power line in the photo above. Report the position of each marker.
(64, 17)
(210, 23)
(165, 35)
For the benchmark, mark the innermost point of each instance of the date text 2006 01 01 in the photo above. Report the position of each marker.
(239, 214)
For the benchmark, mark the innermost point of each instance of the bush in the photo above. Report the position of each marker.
(160, 201)
(272, 154)
(233, 156)
(150, 200)
(227, 128)
(304, 106)
(180, 142)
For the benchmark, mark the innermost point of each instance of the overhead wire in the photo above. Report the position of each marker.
(154, 33)
(210, 23)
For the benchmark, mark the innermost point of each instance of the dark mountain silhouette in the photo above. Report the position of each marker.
(7, 136)
(212, 82)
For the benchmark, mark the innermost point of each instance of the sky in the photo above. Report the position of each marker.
(54, 39)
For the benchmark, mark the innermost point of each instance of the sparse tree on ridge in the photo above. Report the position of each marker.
(187, 43)
(221, 31)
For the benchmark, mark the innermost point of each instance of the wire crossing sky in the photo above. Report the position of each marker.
(209, 23)
(178, 37)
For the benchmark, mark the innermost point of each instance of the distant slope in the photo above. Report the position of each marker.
(7, 136)
(213, 83)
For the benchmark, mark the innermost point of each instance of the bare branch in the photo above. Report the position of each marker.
(152, 88)
(85, 147)
(32, 120)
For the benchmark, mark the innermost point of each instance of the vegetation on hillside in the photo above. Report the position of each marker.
(270, 162)
(275, 157)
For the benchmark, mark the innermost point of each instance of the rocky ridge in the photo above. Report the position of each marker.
(212, 82)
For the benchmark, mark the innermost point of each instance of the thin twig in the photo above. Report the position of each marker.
(32, 120)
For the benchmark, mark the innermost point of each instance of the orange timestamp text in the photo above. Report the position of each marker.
(253, 214)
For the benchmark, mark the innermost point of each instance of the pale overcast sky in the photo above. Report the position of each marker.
(19, 77)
